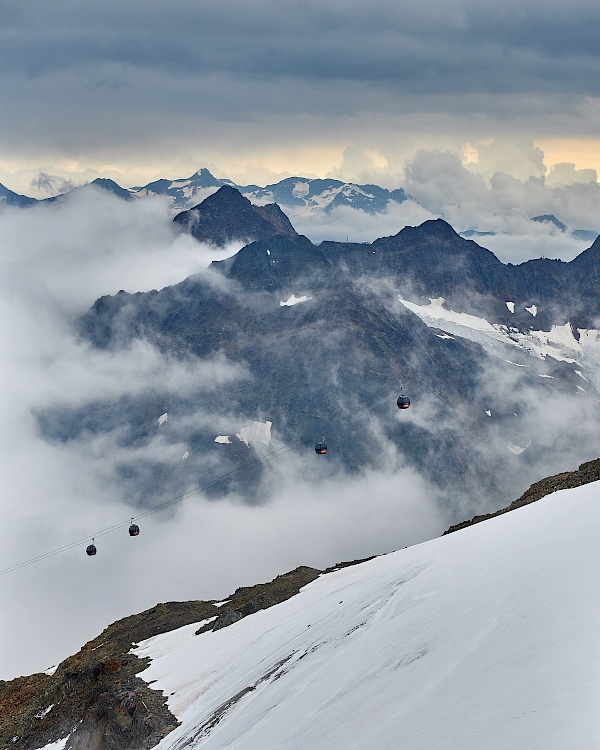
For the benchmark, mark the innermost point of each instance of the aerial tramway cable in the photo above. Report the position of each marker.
(277, 453)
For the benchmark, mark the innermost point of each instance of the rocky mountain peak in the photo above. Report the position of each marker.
(227, 216)
(431, 229)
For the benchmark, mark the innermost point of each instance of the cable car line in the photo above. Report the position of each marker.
(277, 453)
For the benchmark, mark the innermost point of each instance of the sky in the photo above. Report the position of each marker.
(259, 91)
(482, 111)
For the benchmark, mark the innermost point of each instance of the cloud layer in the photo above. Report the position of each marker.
(143, 85)
(56, 260)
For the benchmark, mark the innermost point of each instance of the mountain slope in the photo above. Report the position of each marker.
(479, 639)
(9, 198)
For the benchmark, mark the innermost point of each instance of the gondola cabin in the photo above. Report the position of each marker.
(403, 402)
(134, 529)
(90, 549)
(320, 448)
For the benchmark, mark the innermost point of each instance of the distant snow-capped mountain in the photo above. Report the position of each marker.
(585, 235)
(292, 192)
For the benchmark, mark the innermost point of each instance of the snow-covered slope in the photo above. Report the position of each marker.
(559, 343)
(483, 639)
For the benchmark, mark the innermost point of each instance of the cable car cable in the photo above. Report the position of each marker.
(277, 453)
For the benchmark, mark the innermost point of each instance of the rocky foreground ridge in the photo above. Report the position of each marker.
(95, 695)
(587, 472)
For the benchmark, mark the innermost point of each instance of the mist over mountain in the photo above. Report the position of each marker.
(327, 331)
(9, 198)
(215, 389)
(517, 220)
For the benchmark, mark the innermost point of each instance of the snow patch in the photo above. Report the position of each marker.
(300, 189)
(45, 712)
(581, 375)
(293, 300)
(223, 439)
(220, 604)
(558, 343)
(511, 306)
(488, 412)
(185, 455)
(515, 363)
(58, 745)
(435, 313)
(518, 449)
(259, 432)
(533, 310)
(163, 418)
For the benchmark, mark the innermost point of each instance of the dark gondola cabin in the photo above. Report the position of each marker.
(134, 529)
(320, 449)
(90, 549)
(403, 402)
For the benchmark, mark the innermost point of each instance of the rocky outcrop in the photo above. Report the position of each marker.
(587, 472)
(95, 695)
(250, 599)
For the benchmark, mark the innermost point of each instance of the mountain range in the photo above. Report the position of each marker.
(294, 194)
(492, 356)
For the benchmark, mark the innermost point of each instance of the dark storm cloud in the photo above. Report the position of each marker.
(97, 62)
(457, 45)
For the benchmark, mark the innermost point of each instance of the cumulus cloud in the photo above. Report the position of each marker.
(48, 184)
(504, 205)
(565, 173)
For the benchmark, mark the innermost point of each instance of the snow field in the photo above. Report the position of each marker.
(486, 638)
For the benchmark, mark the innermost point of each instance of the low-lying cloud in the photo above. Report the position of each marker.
(56, 260)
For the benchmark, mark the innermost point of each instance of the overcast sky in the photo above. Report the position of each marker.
(146, 88)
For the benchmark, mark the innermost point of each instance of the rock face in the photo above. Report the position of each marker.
(226, 216)
(95, 696)
(250, 599)
(587, 472)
